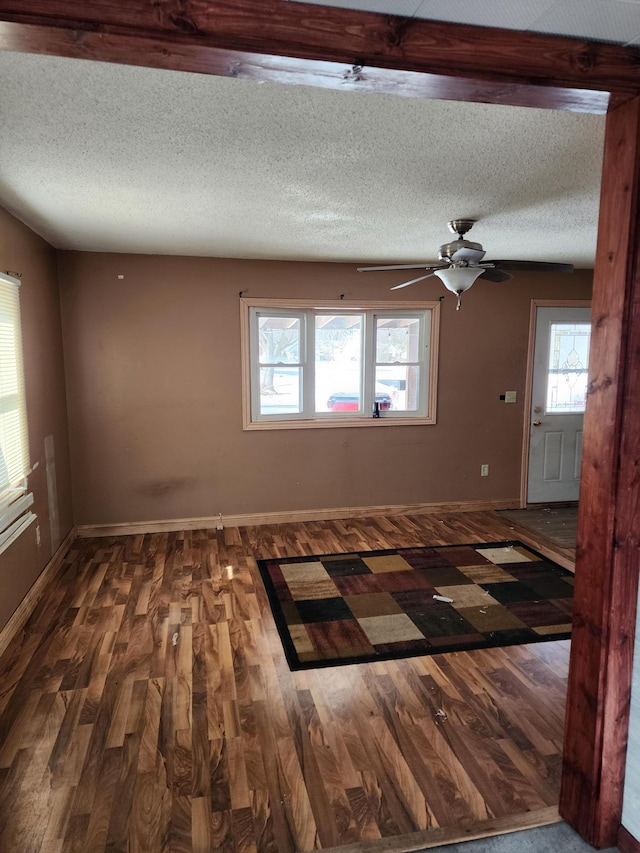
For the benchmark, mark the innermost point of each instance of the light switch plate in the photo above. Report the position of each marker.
(509, 396)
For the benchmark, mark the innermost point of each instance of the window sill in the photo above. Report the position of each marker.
(325, 423)
(15, 530)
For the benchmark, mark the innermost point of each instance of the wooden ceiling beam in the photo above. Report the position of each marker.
(338, 48)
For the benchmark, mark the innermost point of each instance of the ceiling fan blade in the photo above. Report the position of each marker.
(402, 267)
(495, 275)
(532, 266)
(413, 281)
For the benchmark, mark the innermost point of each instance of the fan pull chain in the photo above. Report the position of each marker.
(459, 295)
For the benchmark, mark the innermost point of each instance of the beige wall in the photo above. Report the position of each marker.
(153, 375)
(24, 252)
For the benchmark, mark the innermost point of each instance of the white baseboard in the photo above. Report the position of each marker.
(28, 604)
(85, 531)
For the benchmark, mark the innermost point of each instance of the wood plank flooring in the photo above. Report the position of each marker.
(148, 707)
(554, 527)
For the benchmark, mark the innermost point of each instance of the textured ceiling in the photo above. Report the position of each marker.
(114, 158)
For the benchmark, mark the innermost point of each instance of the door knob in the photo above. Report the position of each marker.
(537, 423)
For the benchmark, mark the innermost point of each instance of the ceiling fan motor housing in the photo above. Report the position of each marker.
(461, 251)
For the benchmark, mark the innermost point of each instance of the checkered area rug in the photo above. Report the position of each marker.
(375, 605)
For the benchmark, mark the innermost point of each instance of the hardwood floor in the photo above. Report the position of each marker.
(148, 707)
(555, 526)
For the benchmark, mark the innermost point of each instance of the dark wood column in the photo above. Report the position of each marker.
(609, 517)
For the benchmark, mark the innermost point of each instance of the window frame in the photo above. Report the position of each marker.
(299, 307)
(15, 501)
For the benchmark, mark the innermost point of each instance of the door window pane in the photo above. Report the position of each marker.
(338, 362)
(567, 369)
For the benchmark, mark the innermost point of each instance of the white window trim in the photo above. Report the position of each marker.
(9, 536)
(333, 422)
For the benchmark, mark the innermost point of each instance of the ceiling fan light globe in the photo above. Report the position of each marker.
(459, 279)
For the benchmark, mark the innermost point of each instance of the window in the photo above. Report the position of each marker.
(338, 364)
(567, 370)
(14, 446)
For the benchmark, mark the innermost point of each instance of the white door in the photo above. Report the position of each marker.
(561, 358)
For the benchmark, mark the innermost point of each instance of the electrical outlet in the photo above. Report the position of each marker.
(484, 470)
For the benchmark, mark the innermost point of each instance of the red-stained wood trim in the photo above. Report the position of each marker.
(172, 54)
(606, 590)
(627, 843)
(285, 41)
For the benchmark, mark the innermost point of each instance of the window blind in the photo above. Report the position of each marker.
(14, 444)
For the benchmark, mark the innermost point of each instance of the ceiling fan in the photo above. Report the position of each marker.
(461, 263)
